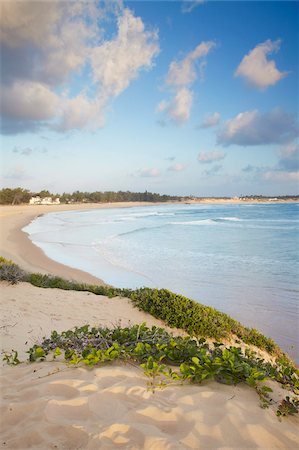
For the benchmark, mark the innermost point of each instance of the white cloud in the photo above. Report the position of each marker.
(255, 128)
(257, 69)
(180, 107)
(189, 5)
(81, 112)
(46, 44)
(117, 62)
(178, 167)
(149, 172)
(211, 120)
(181, 75)
(209, 157)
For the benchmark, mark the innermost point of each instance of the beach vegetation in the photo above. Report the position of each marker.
(166, 359)
(14, 196)
(11, 272)
(288, 406)
(175, 310)
(177, 359)
(12, 358)
(17, 196)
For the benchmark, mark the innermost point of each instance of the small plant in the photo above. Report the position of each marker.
(288, 406)
(37, 353)
(11, 358)
(153, 370)
(264, 395)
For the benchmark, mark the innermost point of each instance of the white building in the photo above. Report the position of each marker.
(44, 201)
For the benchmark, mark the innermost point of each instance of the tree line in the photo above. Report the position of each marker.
(19, 196)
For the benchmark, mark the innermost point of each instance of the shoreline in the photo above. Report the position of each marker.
(16, 245)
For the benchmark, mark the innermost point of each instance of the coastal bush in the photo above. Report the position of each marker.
(175, 310)
(165, 357)
(11, 272)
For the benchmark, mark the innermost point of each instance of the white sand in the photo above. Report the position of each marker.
(52, 406)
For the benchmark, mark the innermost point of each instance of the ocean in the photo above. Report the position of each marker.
(241, 259)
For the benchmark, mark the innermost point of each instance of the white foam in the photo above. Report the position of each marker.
(231, 219)
(195, 222)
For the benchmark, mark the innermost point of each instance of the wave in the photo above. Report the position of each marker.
(139, 230)
(196, 222)
(149, 214)
(231, 219)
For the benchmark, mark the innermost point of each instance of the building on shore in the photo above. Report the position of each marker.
(44, 201)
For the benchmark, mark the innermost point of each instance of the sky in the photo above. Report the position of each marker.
(176, 97)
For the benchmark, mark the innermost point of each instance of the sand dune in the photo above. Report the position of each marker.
(110, 407)
(53, 406)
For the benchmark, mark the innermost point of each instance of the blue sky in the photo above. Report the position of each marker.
(194, 97)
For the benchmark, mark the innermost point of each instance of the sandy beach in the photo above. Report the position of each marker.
(15, 244)
(53, 406)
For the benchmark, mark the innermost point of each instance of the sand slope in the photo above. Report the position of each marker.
(52, 406)
(110, 407)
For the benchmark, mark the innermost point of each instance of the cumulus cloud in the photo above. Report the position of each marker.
(46, 45)
(178, 167)
(181, 75)
(210, 157)
(117, 62)
(180, 107)
(149, 172)
(255, 128)
(257, 69)
(28, 100)
(211, 120)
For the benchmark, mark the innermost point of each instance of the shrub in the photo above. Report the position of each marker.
(175, 310)
(11, 272)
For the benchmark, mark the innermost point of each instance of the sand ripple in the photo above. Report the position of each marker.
(110, 407)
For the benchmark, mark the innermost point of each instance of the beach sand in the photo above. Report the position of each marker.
(16, 245)
(53, 406)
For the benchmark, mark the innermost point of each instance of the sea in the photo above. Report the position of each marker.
(239, 258)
